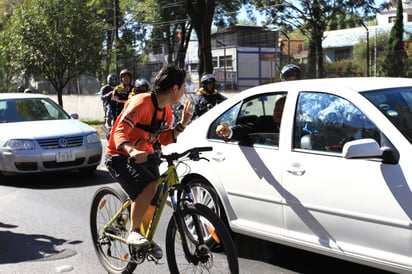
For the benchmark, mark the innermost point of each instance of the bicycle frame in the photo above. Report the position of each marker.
(166, 180)
(196, 238)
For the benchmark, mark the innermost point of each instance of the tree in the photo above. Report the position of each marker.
(201, 14)
(109, 12)
(313, 18)
(378, 52)
(53, 39)
(396, 54)
(173, 22)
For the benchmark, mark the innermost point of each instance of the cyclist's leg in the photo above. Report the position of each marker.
(140, 185)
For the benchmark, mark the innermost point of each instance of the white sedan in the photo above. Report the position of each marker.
(335, 179)
(38, 136)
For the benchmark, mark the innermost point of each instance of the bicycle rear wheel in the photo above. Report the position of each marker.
(203, 257)
(113, 255)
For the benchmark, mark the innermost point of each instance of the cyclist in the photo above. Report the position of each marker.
(140, 85)
(121, 92)
(290, 72)
(208, 96)
(106, 96)
(145, 120)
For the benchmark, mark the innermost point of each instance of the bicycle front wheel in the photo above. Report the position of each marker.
(201, 255)
(113, 255)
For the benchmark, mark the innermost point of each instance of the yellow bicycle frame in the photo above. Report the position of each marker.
(152, 216)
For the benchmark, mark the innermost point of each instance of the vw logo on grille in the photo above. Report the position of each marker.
(62, 142)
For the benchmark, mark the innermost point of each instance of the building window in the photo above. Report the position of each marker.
(228, 61)
(214, 61)
(409, 18)
(157, 50)
(342, 54)
(391, 19)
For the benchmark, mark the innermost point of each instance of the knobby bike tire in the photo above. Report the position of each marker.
(223, 261)
(113, 255)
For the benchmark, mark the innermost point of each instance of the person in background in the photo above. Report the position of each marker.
(145, 120)
(140, 86)
(121, 92)
(208, 96)
(20, 88)
(106, 96)
(290, 72)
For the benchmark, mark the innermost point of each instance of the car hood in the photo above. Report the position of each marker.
(41, 129)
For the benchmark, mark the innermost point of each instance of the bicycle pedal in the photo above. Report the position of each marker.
(150, 258)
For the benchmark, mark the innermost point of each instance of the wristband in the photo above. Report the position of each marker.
(179, 127)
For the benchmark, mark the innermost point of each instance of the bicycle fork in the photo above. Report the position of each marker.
(179, 205)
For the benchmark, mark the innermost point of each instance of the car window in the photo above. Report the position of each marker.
(396, 105)
(325, 122)
(228, 118)
(255, 116)
(54, 110)
(30, 109)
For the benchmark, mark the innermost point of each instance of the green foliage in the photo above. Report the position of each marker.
(380, 46)
(395, 59)
(313, 18)
(53, 39)
(345, 68)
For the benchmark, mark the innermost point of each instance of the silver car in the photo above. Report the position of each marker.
(38, 136)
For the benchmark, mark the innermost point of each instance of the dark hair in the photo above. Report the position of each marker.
(168, 76)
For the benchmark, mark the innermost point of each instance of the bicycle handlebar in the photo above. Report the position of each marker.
(193, 154)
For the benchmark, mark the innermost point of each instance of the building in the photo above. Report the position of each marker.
(242, 56)
(339, 44)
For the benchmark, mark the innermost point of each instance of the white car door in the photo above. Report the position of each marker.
(361, 207)
(251, 172)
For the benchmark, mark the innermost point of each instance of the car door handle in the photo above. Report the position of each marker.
(218, 157)
(296, 169)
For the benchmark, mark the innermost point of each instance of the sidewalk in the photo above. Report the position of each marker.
(90, 107)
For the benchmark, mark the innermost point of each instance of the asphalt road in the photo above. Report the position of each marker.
(44, 228)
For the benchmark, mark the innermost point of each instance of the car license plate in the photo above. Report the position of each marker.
(66, 156)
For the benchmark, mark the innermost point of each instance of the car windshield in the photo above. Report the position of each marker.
(30, 109)
(396, 105)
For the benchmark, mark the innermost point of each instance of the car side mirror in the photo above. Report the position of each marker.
(74, 115)
(368, 148)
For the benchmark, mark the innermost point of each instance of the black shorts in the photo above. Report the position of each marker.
(131, 176)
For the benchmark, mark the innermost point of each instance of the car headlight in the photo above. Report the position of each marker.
(93, 138)
(20, 144)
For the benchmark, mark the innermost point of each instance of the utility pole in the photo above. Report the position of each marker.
(287, 37)
(225, 65)
(116, 34)
(367, 48)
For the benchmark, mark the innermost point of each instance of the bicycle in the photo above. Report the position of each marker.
(197, 240)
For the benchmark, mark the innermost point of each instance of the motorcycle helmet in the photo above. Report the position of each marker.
(20, 88)
(112, 79)
(125, 71)
(142, 83)
(290, 70)
(207, 78)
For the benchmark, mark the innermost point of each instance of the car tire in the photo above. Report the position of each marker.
(88, 170)
(205, 194)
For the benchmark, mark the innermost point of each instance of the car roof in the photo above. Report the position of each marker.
(17, 95)
(356, 84)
